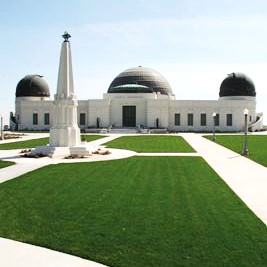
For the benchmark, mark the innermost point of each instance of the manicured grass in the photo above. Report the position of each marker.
(4, 164)
(257, 145)
(141, 211)
(151, 143)
(40, 142)
(25, 144)
(91, 137)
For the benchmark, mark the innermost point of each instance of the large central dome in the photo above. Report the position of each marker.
(140, 80)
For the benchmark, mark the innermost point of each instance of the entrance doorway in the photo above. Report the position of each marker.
(129, 116)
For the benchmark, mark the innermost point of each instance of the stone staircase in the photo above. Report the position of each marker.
(122, 131)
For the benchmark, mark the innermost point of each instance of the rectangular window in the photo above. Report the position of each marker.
(46, 119)
(190, 119)
(229, 120)
(35, 119)
(203, 120)
(217, 119)
(82, 118)
(177, 119)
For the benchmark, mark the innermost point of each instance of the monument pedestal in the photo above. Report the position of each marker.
(65, 136)
(61, 152)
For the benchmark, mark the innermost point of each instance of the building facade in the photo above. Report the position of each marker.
(142, 98)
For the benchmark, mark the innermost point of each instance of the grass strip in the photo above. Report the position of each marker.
(25, 144)
(40, 142)
(4, 164)
(91, 137)
(257, 145)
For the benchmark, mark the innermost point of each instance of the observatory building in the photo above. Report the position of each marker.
(142, 98)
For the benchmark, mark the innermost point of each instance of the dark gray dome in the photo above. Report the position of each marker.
(237, 84)
(140, 80)
(32, 85)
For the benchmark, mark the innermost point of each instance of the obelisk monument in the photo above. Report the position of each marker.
(65, 137)
(65, 131)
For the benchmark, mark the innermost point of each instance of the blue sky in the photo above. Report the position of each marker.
(194, 44)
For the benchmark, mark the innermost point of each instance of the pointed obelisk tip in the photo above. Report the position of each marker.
(66, 36)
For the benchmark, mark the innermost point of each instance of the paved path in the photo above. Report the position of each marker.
(24, 137)
(246, 178)
(17, 254)
(24, 165)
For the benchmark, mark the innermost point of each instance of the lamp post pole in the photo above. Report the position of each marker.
(214, 118)
(245, 147)
(1, 126)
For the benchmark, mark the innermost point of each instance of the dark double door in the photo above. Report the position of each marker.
(129, 116)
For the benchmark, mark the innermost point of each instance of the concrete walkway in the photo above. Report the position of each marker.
(246, 178)
(17, 254)
(24, 137)
(24, 165)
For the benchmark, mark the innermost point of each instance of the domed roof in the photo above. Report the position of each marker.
(32, 85)
(237, 84)
(140, 80)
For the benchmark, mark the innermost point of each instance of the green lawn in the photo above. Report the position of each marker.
(40, 142)
(4, 164)
(91, 137)
(257, 145)
(25, 144)
(151, 143)
(140, 211)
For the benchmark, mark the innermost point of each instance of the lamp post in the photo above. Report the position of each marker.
(245, 147)
(214, 118)
(1, 128)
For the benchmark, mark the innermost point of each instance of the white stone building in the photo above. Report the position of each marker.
(142, 97)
